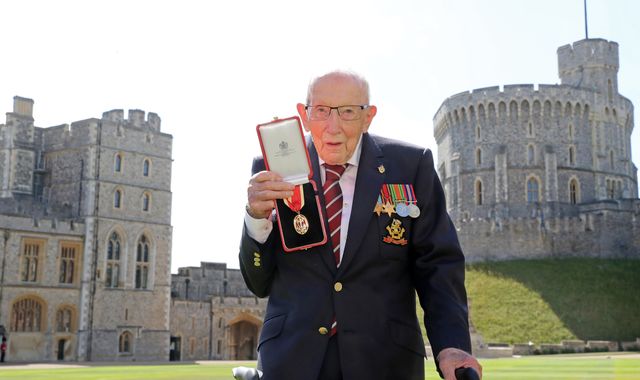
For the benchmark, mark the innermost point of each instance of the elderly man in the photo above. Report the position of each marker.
(346, 309)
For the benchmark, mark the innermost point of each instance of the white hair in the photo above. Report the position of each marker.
(340, 73)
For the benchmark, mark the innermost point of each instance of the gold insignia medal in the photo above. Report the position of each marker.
(396, 233)
(296, 203)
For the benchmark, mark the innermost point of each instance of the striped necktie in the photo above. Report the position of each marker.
(333, 205)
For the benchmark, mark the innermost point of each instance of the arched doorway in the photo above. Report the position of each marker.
(243, 339)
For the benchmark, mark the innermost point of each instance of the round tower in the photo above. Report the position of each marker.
(532, 171)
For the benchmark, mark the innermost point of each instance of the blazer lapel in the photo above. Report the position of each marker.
(368, 184)
(326, 253)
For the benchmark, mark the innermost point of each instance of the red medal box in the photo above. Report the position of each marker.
(285, 152)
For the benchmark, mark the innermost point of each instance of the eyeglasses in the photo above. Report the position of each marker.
(347, 113)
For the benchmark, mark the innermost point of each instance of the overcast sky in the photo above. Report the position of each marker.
(214, 70)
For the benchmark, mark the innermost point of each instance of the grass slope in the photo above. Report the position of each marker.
(545, 301)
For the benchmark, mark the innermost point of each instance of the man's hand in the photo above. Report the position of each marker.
(264, 188)
(451, 358)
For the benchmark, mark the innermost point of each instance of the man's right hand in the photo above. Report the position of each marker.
(264, 188)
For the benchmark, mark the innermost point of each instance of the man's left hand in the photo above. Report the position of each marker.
(451, 358)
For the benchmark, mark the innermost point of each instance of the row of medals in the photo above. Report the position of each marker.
(401, 208)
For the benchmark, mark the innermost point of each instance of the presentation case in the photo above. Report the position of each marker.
(300, 218)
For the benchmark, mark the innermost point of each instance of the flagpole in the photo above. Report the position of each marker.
(586, 29)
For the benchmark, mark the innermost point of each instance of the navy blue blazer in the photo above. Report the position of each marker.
(378, 332)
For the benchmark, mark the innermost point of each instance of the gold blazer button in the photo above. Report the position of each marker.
(323, 331)
(337, 286)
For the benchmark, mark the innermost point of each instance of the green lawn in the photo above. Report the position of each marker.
(545, 301)
(565, 367)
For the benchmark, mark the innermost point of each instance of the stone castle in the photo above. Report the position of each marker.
(85, 241)
(213, 314)
(85, 233)
(85, 250)
(544, 171)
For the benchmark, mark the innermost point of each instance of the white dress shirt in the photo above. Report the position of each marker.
(260, 229)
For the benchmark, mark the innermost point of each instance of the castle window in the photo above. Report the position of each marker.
(68, 256)
(146, 198)
(145, 167)
(479, 194)
(611, 159)
(572, 155)
(570, 131)
(611, 189)
(478, 132)
(533, 190)
(478, 157)
(125, 343)
(192, 346)
(113, 261)
(117, 198)
(26, 316)
(574, 191)
(142, 263)
(530, 130)
(610, 90)
(531, 154)
(64, 319)
(30, 261)
(117, 167)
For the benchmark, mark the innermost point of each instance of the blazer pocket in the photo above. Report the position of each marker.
(407, 337)
(271, 328)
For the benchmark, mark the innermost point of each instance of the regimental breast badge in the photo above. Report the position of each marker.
(396, 233)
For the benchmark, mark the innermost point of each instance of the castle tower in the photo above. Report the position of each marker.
(590, 64)
(536, 171)
(85, 220)
(17, 155)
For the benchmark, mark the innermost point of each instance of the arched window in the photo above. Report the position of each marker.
(574, 191)
(117, 165)
(533, 193)
(26, 316)
(531, 154)
(530, 130)
(570, 131)
(479, 195)
(64, 319)
(113, 261)
(117, 198)
(126, 343)
(478, 132)
(146, 198)
(142, 263)
(145, 167)
(478, 157)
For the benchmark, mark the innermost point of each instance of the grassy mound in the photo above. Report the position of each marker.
(545, 301)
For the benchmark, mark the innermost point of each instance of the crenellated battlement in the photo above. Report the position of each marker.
(588, 53)
(136, 118)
